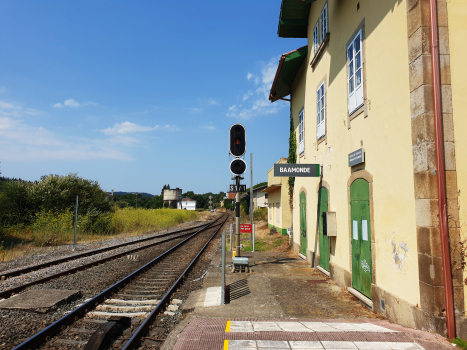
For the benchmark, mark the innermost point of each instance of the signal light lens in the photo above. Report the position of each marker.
(238, 166)
(237, 141)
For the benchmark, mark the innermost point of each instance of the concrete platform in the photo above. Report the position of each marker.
(283, 303)
(40, 299)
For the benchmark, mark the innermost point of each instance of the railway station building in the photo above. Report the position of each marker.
(279, 214)
(382, 108)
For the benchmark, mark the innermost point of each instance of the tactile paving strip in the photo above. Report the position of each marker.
(211, 333)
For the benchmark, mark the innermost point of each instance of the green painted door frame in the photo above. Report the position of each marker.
(361, 236)
(303, 238)
(323, 240)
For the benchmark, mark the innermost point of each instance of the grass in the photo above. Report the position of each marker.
(263, 240)
(56, 228)
(460, 343)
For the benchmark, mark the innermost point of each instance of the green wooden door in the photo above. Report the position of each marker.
(323, 240)
(303, 239)
(361, 236)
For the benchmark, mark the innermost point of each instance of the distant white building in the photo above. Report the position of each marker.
(187, 203)
(260, 198)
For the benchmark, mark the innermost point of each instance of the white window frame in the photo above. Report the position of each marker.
(270, 211)
(278, 213)
(316, 38)
(321, 111)
(301, 131)
(355, 73)
(324, 21)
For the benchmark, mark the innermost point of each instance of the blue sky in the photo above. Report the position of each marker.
(138, 94)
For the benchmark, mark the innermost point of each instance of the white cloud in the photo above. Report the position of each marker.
(20, 142)
(260, 105)
(5, 105)
(247, 95)
(32, 111)
(129, 128)
(13, 110)
(71, 103)
(196, 110)
(208, 101)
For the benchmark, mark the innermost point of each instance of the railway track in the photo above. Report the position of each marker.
(86, 260)
(124, 313)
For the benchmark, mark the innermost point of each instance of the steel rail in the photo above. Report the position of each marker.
(9, 292)
(74, 315)
(85, 254)
(133, 342)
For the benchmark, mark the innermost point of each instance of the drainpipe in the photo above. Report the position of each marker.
(442, 212)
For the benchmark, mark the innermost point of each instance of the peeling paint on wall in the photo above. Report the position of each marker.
(399, 254)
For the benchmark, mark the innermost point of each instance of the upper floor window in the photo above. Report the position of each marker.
(321, 111)
(301, 132)
(316, 39)
(324, 22)
(355, 72)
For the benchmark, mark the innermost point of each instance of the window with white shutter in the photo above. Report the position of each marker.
(316, 38)
(324, 22)
(301, 132)
(355, 72)
(278, 213)
(321, 111)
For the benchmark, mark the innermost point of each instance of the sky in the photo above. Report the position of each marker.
(138, 94)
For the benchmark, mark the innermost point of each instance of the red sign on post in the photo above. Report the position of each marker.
(246, 228)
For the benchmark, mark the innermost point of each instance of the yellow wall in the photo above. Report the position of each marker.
(457, 17)
(281, 196)
(385, 134)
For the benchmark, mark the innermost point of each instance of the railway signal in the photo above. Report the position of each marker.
(237, 140)
(237, 148)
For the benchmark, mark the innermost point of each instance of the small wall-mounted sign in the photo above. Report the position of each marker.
(357, 157)
(297, 170)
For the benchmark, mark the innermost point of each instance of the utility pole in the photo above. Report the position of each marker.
(251, 188)
(76, 223)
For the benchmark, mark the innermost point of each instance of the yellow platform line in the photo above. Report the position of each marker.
(227, 329)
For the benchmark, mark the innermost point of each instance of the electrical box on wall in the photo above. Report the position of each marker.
(329, 224)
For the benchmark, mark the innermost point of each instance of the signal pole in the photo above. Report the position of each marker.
(237, 218)
(251, 188)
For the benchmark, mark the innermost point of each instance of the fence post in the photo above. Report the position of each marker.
(76, 223)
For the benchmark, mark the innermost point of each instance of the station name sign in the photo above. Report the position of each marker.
(297, 170)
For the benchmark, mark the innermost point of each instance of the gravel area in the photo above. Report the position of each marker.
(35, 275)
(46, 254)
(17, 325)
